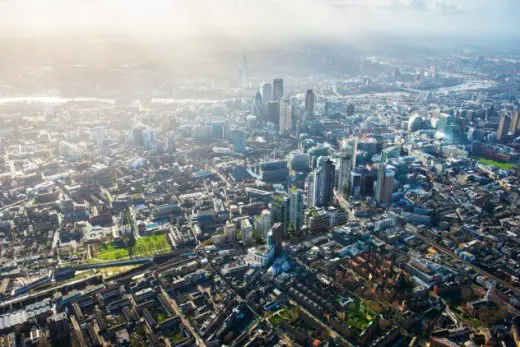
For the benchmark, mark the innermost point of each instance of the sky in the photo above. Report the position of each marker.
(262, 18)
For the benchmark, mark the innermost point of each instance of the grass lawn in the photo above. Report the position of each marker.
(177, 337)
(359, 316)
(290, 314)
(275, 320)
(151, 245)
(107, 251)
(503, 166)
(145, 246)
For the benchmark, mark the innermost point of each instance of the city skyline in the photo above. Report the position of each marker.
(272, 173)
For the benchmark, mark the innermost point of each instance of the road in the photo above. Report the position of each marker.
(186, 322)
(222, 177)
(343, 203)
(329, 329)
(20, 299)
(261, 318)
(474, 267)
(79, 333)
(332, 333)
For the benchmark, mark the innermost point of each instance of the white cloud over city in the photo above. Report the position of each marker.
(262, 17)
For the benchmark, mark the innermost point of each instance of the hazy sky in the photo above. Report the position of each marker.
(262, 18)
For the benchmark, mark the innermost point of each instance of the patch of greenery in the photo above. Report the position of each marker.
(177, 337)
(290, 314)
(503, 166)
(275, 320)
(144, 246)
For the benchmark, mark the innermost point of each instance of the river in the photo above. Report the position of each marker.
(466, 86)
(135, 102)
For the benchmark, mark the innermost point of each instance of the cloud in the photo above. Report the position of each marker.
(267, 20)
(447, 8)
(437, 6)
(419, 5)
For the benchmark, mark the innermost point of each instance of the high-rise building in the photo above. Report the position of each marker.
(433, 71)
(280, 212)
(100, 135)
(138, 135)
(149, 138)
(238, 137)
(385, 184)
(267, 92)
(202, 133)
(350, 110)
(515, 123)
(218, 130)
(273, 112)
(273, 171)
(298, 161)
(310, 99)
(243, 73)
(259, 109)
(362, 183)
(296, 207)
(246, 230)
(277, 89)
(316, 219)
(348, 155)
(284, 125)
(263, 223)
(415, 123)
(444, 122)
(321, 184)
(503, 127)
(277, 237)
(171, 144)
(230, 230)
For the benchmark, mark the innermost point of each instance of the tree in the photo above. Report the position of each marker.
(130, 244)
(258, 238)
(291, 231)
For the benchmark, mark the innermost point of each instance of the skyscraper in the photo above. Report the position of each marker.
(284, 125)
(259, 109)
(238, 137)
(277, 89)
(243, 73)
(309, 105)
(503, 127)
(321, 184)
(277, 236)
(350, 110)
(99, 133)
(273, 112)
(515, 123)
(246, 230)
(138, 135)
(263, 223)
(171, 144)
(296, 207)
(444, 122)
(267, 92)
(347, 164)
(280, 212)
(362, 183)
(230, 229)
(385, 184)
(149, 138)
